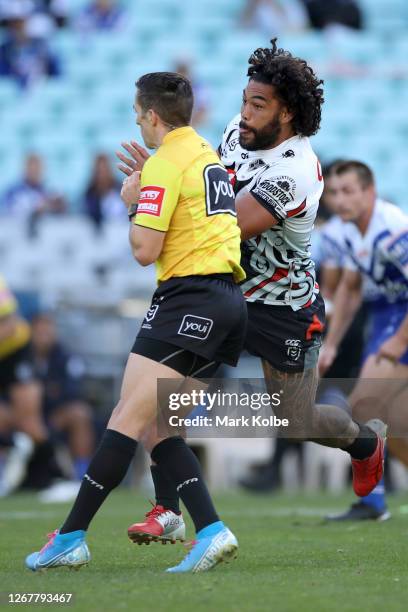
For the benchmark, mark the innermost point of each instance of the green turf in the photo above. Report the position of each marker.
(289, 559)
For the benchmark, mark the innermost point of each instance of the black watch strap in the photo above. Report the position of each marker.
(132, 210)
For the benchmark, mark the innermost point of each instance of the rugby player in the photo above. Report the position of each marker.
(374, 242)
(331, 254)
(278, 182)
(183, 218)
(20, 399)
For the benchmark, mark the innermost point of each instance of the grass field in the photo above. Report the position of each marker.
(289, 559)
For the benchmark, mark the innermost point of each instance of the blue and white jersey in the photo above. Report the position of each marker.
(332, 249)
(381, 255)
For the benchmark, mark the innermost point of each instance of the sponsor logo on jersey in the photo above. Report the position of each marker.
(195, 327)
(219, 192)
(277, 192)
(256, 164)
(151, 200)
(293, 348)
(232, 144)
(288, 153)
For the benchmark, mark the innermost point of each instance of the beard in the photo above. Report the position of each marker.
(262, 139)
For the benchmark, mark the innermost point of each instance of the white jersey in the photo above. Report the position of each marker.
(333, 253)
(332, 243)
(381, 255)
(287, 181)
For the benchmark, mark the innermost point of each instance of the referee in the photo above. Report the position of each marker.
(183, 218)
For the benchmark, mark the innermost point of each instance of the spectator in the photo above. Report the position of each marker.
(102, 197)
(24, 57)
(62, 377)
(200, 91)
(57, 10)
(29, 198)
(275, 17)
(324, 14)
(46, 16)
(101, 15)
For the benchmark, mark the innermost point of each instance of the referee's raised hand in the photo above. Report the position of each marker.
(131, 189)
(138, 157)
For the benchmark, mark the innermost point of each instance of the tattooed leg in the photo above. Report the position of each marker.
(323, 424)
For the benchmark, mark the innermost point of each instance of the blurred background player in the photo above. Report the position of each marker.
(61, 374)
(375, 251)
(23, 426)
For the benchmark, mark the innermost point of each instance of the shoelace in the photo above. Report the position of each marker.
(50, 537)
(155, 511)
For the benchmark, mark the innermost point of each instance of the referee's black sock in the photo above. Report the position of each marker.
(165, 490)
(105, 472)
(182, 466)
(364, 445)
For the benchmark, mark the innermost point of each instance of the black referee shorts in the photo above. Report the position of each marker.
(288, 339)
(204, 315)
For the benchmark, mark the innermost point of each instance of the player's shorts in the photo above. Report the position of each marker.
(384, 321)
(16, 368)
(288, 339)
(205, 315)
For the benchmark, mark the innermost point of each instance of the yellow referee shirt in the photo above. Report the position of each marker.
(186, 192)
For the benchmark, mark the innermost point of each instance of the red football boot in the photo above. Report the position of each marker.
(161, 525)
(367, 473)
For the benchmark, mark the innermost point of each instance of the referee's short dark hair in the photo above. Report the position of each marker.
(364, 172)
(169, 94)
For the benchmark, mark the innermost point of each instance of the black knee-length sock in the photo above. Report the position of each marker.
(105, 472)
(165, 490)
(181, 465)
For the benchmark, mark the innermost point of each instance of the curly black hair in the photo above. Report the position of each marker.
(295, 83)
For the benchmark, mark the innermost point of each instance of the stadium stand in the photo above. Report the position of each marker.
(88, 110)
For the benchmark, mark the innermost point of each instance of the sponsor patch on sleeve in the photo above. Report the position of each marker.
(151, 200)
(276, 193)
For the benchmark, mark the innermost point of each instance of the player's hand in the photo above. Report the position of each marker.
(328, 354)
(130, 191)
(392, 349)
(136, 161)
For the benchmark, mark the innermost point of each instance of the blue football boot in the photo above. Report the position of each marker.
(214, 544)
(61, 550)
